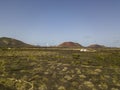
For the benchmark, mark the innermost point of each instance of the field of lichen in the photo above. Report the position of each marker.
(59, 69)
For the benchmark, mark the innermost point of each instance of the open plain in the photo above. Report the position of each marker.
(59, 69)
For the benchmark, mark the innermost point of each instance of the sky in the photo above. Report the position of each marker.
(51, 22)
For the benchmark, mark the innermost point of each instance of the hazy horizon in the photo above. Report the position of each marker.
(42, 22)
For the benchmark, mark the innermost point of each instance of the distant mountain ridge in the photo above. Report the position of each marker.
(10, 42)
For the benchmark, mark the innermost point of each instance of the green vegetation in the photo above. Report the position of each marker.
(59, 69)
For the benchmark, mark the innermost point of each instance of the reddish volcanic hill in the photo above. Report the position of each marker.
(69, 44)
(96, 46)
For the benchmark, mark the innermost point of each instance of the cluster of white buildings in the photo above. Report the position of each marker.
(83, 50)
(87, 50)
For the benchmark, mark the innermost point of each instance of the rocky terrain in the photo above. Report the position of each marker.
(55, 69)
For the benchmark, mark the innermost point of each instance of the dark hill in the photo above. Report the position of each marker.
(69, 44)
(96, 46)
(10, 42)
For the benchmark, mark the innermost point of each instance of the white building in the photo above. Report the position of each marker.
(83, 50)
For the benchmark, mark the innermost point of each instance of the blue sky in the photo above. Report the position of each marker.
(40, 22)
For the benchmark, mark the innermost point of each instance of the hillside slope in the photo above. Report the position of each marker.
(96, 46)
(10, 42)
(69, 44)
